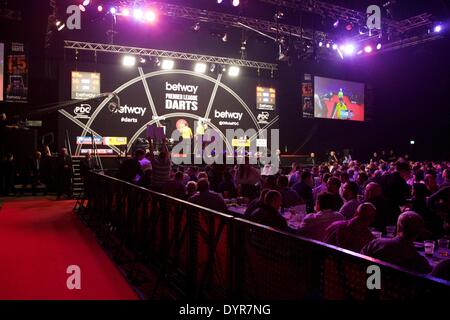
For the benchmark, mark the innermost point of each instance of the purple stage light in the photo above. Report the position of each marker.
(100, 8)
(368, 49)
(219, 1)
(150, 16)
(437, 28)
(138, 14)
(335, 46)
(86, 2)
(236, 3)
(125, 12)
(348, 49)
(379, 46)
(113, 10)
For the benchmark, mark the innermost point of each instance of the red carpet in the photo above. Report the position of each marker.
(39, 239)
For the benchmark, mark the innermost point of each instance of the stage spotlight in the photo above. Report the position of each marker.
(412, 142)
(336, 24)
(321, 44)
(82, 8)
(236, 3)
(368, 49)
(219, 1)
(59, 25)
(196, 27)
(225, 37)
(150, 16)
(138, 14)
(129, 61)
(86, 2)
(379, 46)
(437, 28)
(167, 64)
(328, 45)
(224, 68)
(359, 52)
(349, 49)
(233, 71)
(125, 12)
(200, 67)
(113, 10)
(335, 46)
(100, 8)
(142, 60)
(213, 68)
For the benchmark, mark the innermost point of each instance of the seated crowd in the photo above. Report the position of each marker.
(345, 203)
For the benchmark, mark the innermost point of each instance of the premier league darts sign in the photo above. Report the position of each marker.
(177, 100)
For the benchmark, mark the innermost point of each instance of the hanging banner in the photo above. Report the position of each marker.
(16, 74)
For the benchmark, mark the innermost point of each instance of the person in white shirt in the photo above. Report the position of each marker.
(314, 225)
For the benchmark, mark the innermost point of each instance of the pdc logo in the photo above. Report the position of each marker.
(82, 111)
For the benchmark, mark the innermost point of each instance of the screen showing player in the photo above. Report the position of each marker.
(338, 99)
(2, 63)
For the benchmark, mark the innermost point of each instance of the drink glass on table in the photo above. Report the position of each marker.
(443, 247)
(390, 231)
(429, 247)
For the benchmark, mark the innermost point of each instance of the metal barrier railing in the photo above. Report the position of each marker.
(196, 253)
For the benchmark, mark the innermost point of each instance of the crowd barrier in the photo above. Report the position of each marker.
(177, 250)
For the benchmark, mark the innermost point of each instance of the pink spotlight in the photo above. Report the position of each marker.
(100, 8)
(368, 49)
(138, 14)
(236, 3)
(150, 16)
(86, 2)
(125, 12)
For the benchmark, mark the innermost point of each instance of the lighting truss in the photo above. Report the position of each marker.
(199, 15)
(356, 17)
(51, 20)
(109, 48)
(409, 42)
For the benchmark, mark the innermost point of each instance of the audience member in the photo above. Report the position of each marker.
(314, 225)
(304, 190)
(333, 187)
(269, 213)
(353, 234)
(290, 198)
(208, 199)
(350, 195)
(400, 250)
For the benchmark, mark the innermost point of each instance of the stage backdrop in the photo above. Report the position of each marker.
(165, 97)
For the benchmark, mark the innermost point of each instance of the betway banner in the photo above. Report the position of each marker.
(167, 98)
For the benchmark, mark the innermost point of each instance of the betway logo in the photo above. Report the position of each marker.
(181, 87)
(132, 110)
(228, 115)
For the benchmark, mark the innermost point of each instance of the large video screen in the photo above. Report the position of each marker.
(338, 99)
(2, 64)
